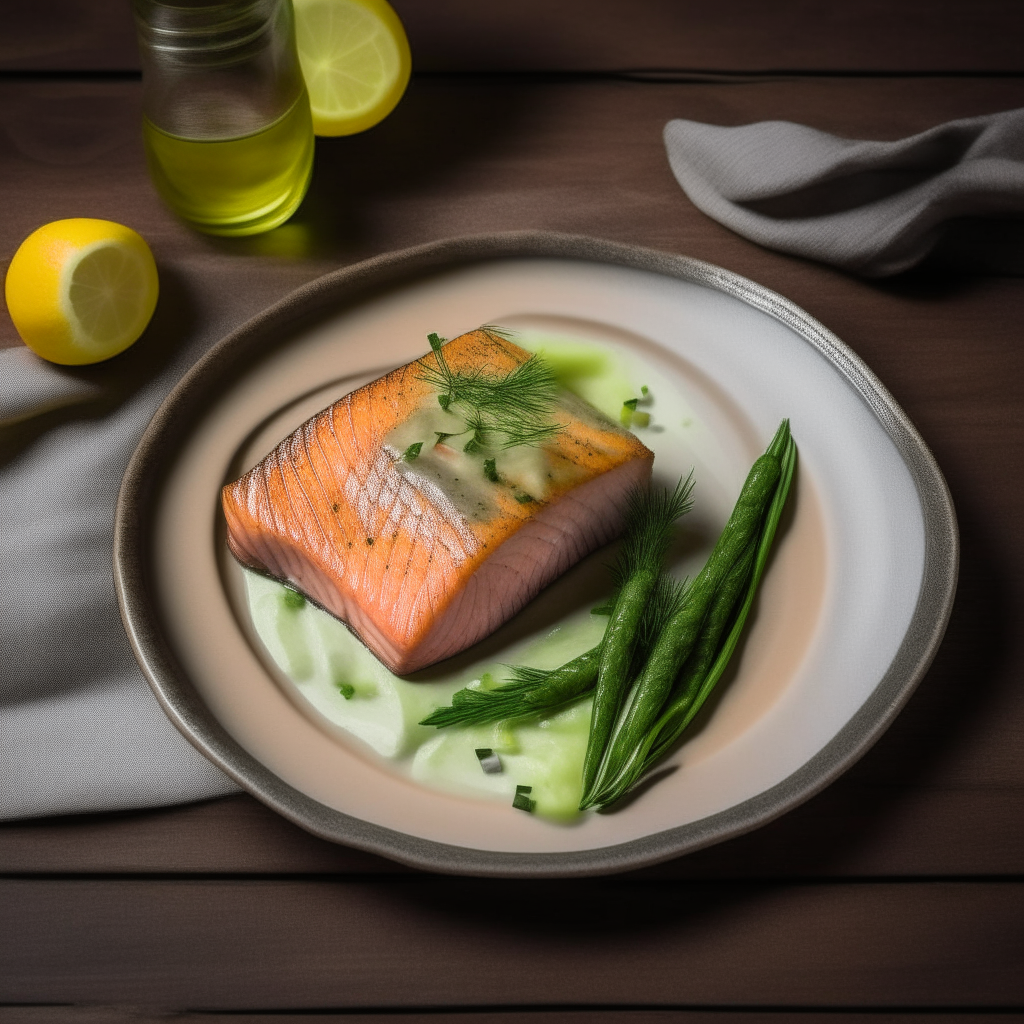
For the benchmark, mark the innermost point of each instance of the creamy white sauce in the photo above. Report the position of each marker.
(319, 660)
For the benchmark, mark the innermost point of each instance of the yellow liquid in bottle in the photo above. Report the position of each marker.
(237, 186)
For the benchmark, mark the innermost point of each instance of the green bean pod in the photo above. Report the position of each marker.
(680, 634)
(626, 753)
(533, 691)
(568, 682)
(693, 690)
(616, 658)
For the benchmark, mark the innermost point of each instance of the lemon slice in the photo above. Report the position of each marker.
(81, 290)
(355, 60)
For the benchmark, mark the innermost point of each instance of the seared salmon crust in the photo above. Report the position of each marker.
(336, 513)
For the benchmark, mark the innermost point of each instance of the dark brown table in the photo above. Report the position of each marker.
(898, 893)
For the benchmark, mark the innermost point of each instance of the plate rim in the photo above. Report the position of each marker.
(350, 285)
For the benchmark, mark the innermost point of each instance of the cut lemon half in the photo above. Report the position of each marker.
(355, 60)
(81, 290)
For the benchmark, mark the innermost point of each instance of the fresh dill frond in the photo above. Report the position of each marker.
(504, 410)
(516, 433)
(498, 332)
(667, 598)
(650, 514)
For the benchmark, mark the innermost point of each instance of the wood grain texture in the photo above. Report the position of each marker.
(425, 943)
(942, 793)
(602, 35)
(593, 1015)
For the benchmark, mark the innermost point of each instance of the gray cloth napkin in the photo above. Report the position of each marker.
(873, 208)
(79, 728)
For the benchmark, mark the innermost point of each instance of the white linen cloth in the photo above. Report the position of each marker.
(872, 208)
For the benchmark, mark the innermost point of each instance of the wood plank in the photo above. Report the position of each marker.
(136, 1015)
(944, 790)
(602, 35)
(439, 943)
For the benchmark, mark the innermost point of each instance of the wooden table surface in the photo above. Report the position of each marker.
(897, 893)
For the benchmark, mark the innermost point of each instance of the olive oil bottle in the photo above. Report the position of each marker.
(226, 119)
(235, 186)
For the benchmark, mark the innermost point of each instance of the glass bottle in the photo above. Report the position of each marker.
(226, 121)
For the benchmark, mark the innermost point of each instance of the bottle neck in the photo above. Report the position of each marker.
(217, 70)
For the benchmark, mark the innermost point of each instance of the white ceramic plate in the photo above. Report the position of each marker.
(849, 617)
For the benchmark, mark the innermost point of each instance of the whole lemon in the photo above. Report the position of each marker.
(81, 290)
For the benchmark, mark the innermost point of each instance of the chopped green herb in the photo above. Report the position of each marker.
(490, 470)
(643, 390)
(630, 404)
(347, 690)
(514, 406)
(525, 499)
(641, 419)
(476, 444)
(413, 451)
(293, 599)
(521, 801)
(489, 761)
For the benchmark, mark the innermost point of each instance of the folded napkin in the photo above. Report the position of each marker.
(80, 729)
(873, 208)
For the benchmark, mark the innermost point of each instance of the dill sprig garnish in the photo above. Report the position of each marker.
(502, 410)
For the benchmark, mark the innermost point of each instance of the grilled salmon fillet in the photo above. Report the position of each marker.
(424, 556)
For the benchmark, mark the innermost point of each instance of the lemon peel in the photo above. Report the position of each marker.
(355, 60)
(81, 290)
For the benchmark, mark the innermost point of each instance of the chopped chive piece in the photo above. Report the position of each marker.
(489, 761)
(293, 599)
(641, 419)
(490, 470)
(413, 451)
(525, 499)
(436, 341)
(630, 404)
(347, 690)
(521, 801)
(643, 390)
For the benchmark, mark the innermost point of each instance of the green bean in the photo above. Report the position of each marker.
(533, 690)
(683, 630)
(529, 692)
(618, 779)
(694, 689)
(648, 532)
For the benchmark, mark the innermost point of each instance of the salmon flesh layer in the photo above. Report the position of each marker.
(424, 555)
